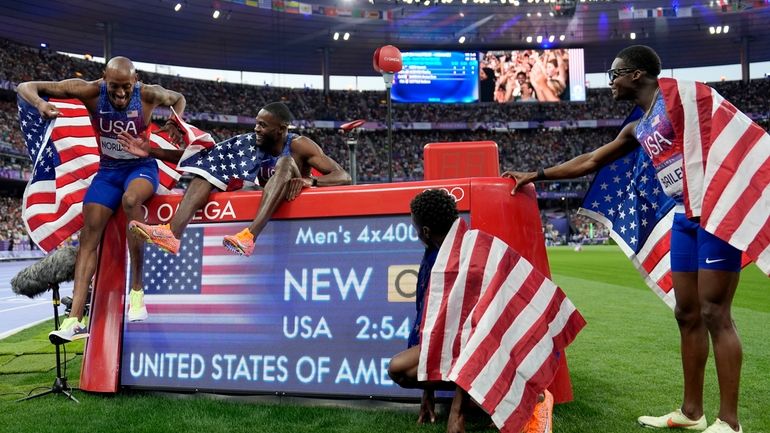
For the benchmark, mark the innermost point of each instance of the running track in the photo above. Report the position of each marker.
(20, 312)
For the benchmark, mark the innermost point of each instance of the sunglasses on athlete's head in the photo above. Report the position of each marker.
(612, 74)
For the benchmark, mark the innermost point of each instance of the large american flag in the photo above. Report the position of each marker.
(494, 325)
(726, 167)
(65, 155)
(627, 198)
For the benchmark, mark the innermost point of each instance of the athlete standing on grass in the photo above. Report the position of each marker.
(705, 268)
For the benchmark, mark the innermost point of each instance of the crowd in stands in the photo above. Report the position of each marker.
(13, 236)
(523, 149)
(21, 63)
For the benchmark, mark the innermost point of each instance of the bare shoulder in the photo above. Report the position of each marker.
(151, 92)
(72, 88)
(305, 146)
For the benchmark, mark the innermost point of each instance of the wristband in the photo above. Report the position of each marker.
(540, 174)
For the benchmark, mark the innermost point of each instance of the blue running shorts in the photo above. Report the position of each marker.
(694, 248)
(110, 183)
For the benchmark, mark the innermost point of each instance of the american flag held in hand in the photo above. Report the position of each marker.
(494, 325)
(65, 155)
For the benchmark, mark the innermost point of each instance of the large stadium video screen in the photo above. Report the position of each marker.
(532, 75)
(437, 76)
(502, 76)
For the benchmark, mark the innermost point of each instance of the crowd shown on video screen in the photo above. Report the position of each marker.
(524, 76)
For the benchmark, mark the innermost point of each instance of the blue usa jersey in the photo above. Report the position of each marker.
(109, 122)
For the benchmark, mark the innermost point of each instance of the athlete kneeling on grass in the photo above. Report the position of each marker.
(433, 214)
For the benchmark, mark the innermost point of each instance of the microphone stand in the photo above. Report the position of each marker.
(60, 385)
(352, 142)
(388, 84)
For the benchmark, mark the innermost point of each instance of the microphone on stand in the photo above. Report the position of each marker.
(387, 61)
(38, 278)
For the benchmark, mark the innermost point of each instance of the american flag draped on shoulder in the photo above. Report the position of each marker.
(726, 167)
(493, 325)
(65, 156)
(627, 198)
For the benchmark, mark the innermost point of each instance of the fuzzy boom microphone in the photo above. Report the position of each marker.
(36, 279)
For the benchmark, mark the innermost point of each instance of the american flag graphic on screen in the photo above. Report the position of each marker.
(204, 286)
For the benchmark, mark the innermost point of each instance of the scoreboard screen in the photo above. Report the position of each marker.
(437, 77)
(319, 308)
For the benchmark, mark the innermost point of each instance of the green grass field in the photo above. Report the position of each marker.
(624, 364)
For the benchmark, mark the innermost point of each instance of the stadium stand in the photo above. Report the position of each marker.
(528, 148)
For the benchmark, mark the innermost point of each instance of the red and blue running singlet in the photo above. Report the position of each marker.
(657, 137)
(109, 122)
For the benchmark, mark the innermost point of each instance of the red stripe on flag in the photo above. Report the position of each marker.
(747, 199)
(666, 283)
(73, 112)
(72, 131)
(76, 175)
(62, 233)
(41, 198)
(38, 220)
(761, 242)
(473, 283)
(74, 152)
(661, 248)
(722, 116)
(575, 323)
(437, 333)
(166, 180)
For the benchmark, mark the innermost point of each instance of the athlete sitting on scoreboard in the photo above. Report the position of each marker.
(271, 156)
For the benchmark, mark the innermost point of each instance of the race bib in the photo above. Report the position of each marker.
(671, 177)
(113, 149)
